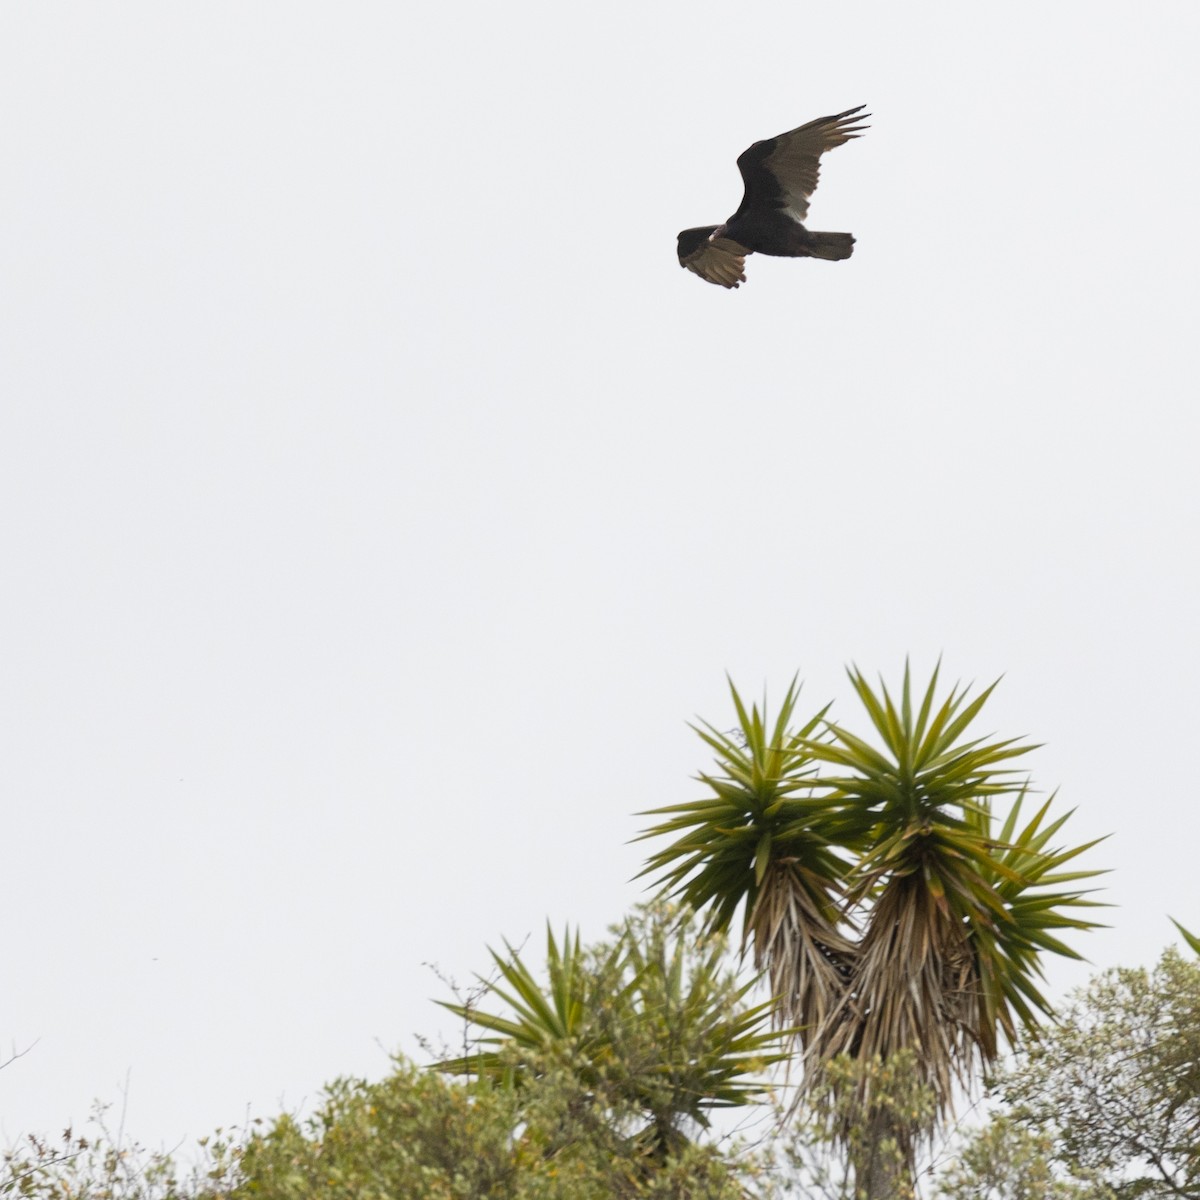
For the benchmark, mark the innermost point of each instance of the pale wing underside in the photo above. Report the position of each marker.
(720, 261)
(795, 160)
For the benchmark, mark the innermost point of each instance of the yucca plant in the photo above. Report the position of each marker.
(542, 1017)
(650, 1024)
(931, 919)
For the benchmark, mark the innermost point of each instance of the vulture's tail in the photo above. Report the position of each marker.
(832, 246)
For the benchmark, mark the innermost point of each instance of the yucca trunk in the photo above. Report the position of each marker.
(882, 1168)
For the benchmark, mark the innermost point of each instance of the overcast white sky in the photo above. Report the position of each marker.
(379, 498)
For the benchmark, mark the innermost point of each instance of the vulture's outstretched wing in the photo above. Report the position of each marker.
(782, 171)
(719, 260)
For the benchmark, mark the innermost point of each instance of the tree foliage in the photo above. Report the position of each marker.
(899, 889)
(1006, 1160)
(421, 1135)
(95, 1163)
(593, 1081)
(1105, 1106)
(1115, 1084)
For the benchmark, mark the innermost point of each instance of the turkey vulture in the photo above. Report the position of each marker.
(780, 174)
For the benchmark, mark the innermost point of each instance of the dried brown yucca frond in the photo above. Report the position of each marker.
(810, 963)
(915, 989)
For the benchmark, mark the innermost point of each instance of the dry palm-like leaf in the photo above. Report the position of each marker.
(913, 982)
(761, 841)
(810, 962)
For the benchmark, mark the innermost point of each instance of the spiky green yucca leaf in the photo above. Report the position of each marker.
(923, 780)
(542, 1016)
(1025, 875)
(1191, 939)
(653, 1020)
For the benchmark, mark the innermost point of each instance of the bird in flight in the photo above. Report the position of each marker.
(780, 174)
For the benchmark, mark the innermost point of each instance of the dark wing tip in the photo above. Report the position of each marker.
(849, 128)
